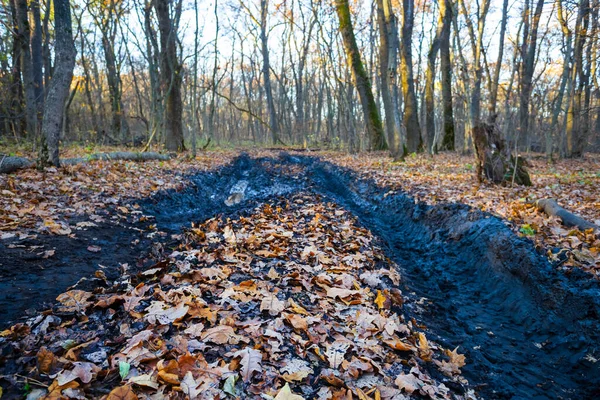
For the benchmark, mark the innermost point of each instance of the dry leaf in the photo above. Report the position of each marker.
(122, 393)
(286, 394)
(272, 304)
(251, 362)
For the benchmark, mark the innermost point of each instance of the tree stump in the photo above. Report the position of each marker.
(494, 160)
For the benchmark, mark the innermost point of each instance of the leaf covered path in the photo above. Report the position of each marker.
(287, 292)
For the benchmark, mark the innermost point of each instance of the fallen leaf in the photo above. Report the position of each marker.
(272, 304)
(45, 360)
(74, 301)
(222, 334)
(145, 380)
(251, 362)
(122, 393)
(84, 371)
(286, 394)
(94, 249)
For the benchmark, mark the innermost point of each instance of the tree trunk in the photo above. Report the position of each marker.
(446, 8)
(496, 79)
(37, 60)
(58, 90)
(23, 37)
(170, 67)
(411, 112)
(576, 135)
(388, 64)
(360, 77)
(266, 71)
(430, 73)
(528, 52)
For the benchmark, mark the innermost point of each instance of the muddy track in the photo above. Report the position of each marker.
(528, 331)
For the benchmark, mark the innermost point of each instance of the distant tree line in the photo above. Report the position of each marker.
(401, 75)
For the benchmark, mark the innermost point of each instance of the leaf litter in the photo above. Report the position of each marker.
(293, 300)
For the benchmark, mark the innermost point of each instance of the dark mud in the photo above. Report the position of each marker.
(528, 330)
(30, 283)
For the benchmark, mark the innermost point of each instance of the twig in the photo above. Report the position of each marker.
(2, 161)
(33, 381)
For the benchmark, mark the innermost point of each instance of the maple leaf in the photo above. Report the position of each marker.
(122, 393)
(251, 362)
(286, 394)
(272, 304)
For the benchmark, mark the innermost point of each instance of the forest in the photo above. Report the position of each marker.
(299, 199)
(405, 76)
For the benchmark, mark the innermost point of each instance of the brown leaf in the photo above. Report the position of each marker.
(45, 360)
(297, 321)
(222, 334)
(250, 361)
(272, 304)
(74, 301)
(122, 393)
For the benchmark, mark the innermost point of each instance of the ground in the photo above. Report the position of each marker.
(321, 274)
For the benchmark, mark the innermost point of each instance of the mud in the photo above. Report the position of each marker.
(29, 282)
(528, 330)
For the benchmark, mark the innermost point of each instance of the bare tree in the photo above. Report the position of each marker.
(411, 113)
(170, 73)
(388, 64)
(360, 77)
(58, 89)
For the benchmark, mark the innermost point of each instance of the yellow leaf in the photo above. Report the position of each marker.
(380, 300)
(286, 394)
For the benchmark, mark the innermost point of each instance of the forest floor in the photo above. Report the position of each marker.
(333, 275)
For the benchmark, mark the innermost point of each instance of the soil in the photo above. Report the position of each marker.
(528, 330)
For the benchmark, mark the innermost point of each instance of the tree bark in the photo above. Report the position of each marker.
(430, 74)
(170, 67)
(528, 52)
(551, 207)
(411, 112)
(576, 135)
(446, 72)
(58, 89)
(23, 38)
(266, 71)
(388, 64)
(497, 68)
(360, 77)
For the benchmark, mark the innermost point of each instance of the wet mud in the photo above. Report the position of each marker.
(528, 330)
